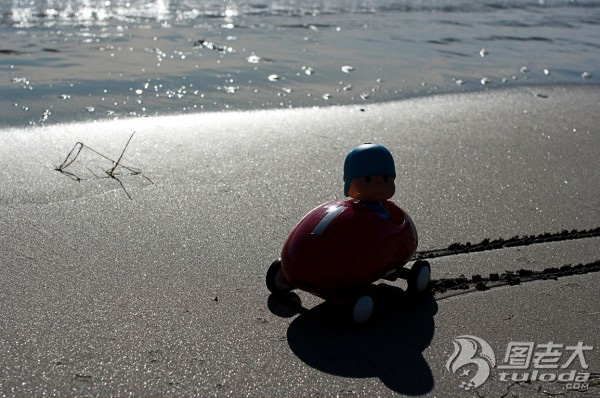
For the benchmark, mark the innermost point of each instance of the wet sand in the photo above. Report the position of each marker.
(163, 293)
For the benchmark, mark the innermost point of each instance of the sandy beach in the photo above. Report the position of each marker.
(153, 284)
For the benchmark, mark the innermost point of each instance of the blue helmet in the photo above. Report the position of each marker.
(367, 160)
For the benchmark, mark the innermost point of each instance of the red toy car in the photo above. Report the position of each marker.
(338, 249)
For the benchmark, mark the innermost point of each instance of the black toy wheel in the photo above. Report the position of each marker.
(362, 308)
(420, 275)
(276, 282)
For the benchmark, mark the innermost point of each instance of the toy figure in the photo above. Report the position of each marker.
(339, 248)
(369, 175)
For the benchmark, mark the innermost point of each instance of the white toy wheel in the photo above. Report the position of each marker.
(276, 281)
(420, 275)
(362, 309)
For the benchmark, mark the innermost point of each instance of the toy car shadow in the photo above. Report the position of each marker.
(390, 348)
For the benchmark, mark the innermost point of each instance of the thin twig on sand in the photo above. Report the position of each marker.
(110, 173)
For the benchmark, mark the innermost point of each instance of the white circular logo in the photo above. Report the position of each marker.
(471, 350)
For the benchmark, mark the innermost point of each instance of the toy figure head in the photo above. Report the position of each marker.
(369, 173)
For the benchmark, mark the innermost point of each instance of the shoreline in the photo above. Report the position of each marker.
(413, 96)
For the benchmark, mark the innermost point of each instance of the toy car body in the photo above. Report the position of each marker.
(341, 247)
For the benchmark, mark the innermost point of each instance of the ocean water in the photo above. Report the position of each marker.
(71, 60)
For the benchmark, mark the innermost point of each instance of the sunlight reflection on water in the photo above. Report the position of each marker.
(59, 59)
